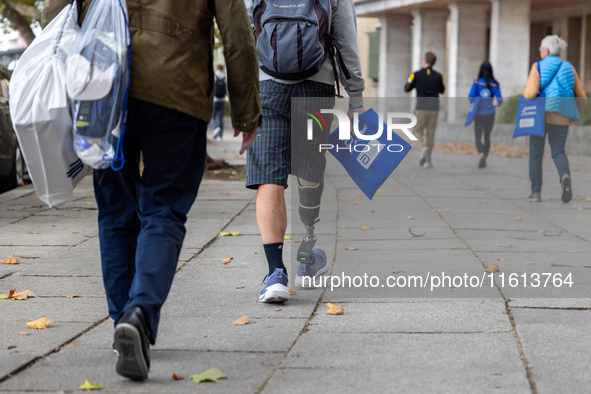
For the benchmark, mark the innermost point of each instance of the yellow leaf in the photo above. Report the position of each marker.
(334, 309)
(572, 251)
(227, 260)
(90, 386)
(22, 295)
(235, 233)
(357, 202)
(72, 296)
(242, 321)
(504, 259)
(588, 199)
(351, 248)
(410, 217)
(541, 232)
(287, 237)
(447, 209)
(211, 375)
(39, 324)
(518, 218)
(223, 234)
(10, 260)
(23, 333)
(494, 268)
(580, 208)
(366, 228)
(4, 296)
(291, 291)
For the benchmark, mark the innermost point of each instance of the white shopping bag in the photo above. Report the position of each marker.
(41, 110)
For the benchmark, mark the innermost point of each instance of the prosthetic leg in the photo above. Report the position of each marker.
(312, 262)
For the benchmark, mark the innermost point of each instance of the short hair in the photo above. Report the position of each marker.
(220, 67)
(554, 44)
(430, 58)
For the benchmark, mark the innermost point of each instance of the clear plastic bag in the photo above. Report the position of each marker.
(98, 83)
(41, 112)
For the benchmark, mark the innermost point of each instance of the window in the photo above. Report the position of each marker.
(373, 71)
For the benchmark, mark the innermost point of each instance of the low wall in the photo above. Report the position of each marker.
(578, 142)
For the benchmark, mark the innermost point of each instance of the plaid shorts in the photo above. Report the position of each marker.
(278, 150)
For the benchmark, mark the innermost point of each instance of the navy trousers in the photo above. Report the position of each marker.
(142, 217)
(557, 138)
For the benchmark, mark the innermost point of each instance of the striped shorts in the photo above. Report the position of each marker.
(281, 147)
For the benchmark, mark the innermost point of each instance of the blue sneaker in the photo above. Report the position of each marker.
(276, 288)
(311, 271)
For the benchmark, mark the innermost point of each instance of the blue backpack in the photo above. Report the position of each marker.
(294, 39)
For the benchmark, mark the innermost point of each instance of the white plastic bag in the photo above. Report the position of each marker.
(41, 111)
(98, 78)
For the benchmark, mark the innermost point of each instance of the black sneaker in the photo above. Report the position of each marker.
(567, 190)
(423, 156)
(131, 345)
(482, 162)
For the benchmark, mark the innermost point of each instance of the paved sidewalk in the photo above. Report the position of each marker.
(502, 342)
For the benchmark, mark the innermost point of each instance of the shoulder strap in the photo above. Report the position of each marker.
(553, 76)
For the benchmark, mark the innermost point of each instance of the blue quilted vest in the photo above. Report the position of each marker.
(560, 91)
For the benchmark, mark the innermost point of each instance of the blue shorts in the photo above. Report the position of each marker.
(278, 150)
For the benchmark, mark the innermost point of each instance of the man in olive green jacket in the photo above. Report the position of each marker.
(141, 217)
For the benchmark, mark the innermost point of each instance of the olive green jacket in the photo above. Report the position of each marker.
(172, 55)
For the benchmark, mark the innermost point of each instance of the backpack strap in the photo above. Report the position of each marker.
(334, 52)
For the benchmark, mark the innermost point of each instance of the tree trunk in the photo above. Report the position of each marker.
(17, 21)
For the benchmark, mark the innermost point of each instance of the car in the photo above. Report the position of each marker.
(13, 170)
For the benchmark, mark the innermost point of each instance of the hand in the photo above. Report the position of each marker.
(247, 139)
(351, 111)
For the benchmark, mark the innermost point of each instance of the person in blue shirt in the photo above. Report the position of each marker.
(485, 89)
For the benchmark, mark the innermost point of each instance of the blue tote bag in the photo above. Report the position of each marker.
(369, 163)
(531, 113)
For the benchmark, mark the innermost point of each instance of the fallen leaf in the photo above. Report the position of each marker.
(447, 210)
(518, 218)
(4, 296)
(72, 296)
(90, 386)
(277, 310)
(410, 217)
(414, 175)
(496, 189)
(588, 199)
(39, 324)
(481, 192)
(22, 295)
(83, 216)
(287, 237)
(334, 309)
(483, 203)
(572, 251)
(13, 352)
(541, 232)
(580, 208)
(10, 260)
(560, 265)
(291, 291)
(494, 268)
(294, 241)
(351, 248)
(242, 321)
(415, 235)
(88, 202)
(224, 149)
(394, 190)
(176, 377)
(235, 233)
(223, 234)
(434, 210)
(227, 260)
(357, 194)
(357, 202)
(366, 228)
(224, 193)
(504, 259)
(398, 272)
(211, 375)
(23, 333)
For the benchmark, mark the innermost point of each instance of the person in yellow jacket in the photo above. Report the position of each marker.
(566, 99)
(142, 218)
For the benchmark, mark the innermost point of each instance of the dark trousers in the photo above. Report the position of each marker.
(557, 139)
(141, 218)
(483, 125)
(217, 119)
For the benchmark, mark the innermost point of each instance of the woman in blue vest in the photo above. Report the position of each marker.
(566, 99)
(486, 88)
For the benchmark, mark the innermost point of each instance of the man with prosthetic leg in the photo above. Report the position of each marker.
(297, 59)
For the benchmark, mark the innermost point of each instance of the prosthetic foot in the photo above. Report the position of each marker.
(312, 262)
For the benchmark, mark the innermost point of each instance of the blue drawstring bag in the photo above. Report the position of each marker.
(369, 163)
(473, 111)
